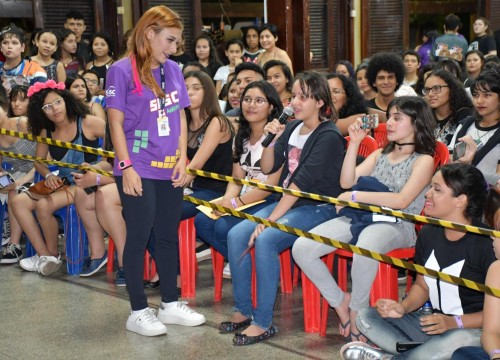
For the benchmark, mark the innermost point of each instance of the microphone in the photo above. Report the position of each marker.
(287, 112)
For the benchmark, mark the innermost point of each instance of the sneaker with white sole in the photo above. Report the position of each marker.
(30, 263)
(226, 273)
(358, 350)
(12, 253)
(179, 313)
(49, 265)
(145, 323)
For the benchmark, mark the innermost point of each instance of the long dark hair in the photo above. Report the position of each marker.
(491, 207)
(284, 67)
(355, 103)
(468, 180)
(210, 106)
(244, 129)
(71, 79)
(488, 80)
(422, 120)
(458, 96)
(38, 120)
(213, 57)
(315, 85)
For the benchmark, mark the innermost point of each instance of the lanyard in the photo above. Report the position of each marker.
(162, 81)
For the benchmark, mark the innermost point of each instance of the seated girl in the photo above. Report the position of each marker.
(457, 194)
(397, 177)
(53, 113)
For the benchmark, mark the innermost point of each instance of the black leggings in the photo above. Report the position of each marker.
(157, 210)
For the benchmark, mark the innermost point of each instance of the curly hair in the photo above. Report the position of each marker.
(314, 85)
(390, 62)
(458, 98)
(244, 129)
(284, 67)
(38, 120)
(467, 180)
(71, 79)
(422, 76)
(108, 39)
(355, 103)
(422, 120)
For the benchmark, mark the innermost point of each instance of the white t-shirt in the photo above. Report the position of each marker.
(222, 74)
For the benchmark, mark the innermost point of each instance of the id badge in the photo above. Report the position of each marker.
(163, 126)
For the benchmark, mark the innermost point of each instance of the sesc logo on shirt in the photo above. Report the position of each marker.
(111, 91)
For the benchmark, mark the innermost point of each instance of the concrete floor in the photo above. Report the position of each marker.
(68, 317)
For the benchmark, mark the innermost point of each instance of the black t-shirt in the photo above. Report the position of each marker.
(485, 44)
(181, 60)
(372, 104)
(468, 258)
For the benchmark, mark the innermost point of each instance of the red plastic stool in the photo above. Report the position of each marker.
(149, 263)
(187, 257)
(217, 269)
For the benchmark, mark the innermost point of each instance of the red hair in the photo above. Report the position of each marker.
(156, 18)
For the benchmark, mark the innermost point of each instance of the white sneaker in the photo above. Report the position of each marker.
(49, 265)
(179, 313)
(31, 263)
(145, 323)
(226, 273)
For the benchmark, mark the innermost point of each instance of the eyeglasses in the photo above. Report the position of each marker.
(337, 92)
(91, 82)
(195, 87)
(50, 106)
(258, 101)
(436, 89)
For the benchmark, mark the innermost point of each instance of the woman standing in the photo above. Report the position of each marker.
(268, 37)
(145, 97)
(484, 40)
(251, 42)
(67, 52)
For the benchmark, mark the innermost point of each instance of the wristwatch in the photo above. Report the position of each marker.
(124, 164)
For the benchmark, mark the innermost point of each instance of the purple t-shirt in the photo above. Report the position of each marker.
(153, 156)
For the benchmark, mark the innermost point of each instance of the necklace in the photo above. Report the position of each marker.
(479, 137)
(403, 144)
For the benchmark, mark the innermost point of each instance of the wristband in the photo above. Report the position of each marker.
(494, 352)
(239, 198)
(271, 145)
(233, 203)
(353, 195)
(49, 174)
(98, 179)
(458, 319)
(124, 164)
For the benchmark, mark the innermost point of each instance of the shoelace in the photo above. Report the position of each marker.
(182, 306)
(9, 249)
(366, 354)
(148, 316)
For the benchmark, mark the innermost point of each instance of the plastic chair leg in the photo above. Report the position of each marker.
(187, 258)
(111, 255)
(218, 269)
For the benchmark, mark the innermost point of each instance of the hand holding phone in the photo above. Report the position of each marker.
(369, 121)
(5, 180)
(459, 150)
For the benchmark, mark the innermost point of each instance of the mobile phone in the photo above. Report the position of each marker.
(369, 121)
(459, 150)
(407, 345)
(6, 180)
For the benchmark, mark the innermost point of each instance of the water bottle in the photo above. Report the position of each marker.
(426, 309)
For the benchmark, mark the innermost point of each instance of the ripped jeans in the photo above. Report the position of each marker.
(386, 332)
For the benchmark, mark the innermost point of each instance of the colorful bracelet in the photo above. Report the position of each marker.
(239, 198)
(353, 195)
(98, 179)
(458, 319)
(233, 203)
(494, 352)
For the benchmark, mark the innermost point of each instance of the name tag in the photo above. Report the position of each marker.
(163, 126)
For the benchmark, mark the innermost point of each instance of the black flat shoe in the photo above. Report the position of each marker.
(151, 284)
(242, 339)
(227, 327)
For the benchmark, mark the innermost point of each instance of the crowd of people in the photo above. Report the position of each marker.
(163, 110)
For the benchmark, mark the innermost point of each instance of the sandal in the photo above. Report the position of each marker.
(242, 339)
(227, 327)
(344, 326)
(356, 336)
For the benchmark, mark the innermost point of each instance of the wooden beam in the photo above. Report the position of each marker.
(233, 10)
(442, 7)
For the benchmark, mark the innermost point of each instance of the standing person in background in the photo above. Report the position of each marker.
(145, 98)
(251, 42)
(103, 55)
(206, 54)
(424, 50)
(75, 21)
(484, 40)
(450, 44)
(46, 45)
(411, 59)
(234, 51)
(67, 54)
(268, 37)
(14, 70)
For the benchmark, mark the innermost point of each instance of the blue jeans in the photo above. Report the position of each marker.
(214, 232)
(386, 332)
(270, 243)
(470, 353)
(189, 209)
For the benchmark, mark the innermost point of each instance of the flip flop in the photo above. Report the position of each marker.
(344, 326)
(357, 336)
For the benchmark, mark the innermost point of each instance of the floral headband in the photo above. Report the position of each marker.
(39, 86)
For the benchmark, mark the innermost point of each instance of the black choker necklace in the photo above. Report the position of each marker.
(403, 144)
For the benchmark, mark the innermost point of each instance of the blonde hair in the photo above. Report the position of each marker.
(156, 18)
